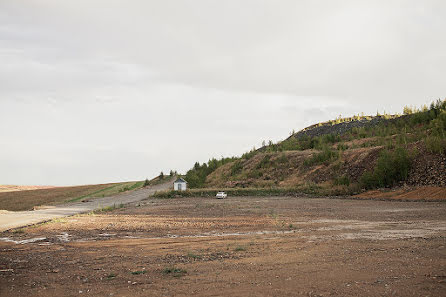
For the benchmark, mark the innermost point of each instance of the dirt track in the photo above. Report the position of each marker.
(9, 219)
(240, 246)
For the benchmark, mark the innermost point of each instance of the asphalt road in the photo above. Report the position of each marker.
(16, 219)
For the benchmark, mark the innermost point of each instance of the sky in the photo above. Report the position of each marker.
(96, 91)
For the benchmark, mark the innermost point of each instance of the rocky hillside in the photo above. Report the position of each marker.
(342, 126)
(346, 155)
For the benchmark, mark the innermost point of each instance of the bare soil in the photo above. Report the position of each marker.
(409, 194)
(13, 188)
(28, 199)
(250, 246)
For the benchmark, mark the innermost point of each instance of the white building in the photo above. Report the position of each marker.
(180, 185)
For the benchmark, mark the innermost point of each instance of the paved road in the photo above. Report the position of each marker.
(16, 219)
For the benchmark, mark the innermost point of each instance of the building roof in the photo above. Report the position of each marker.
(180, 180)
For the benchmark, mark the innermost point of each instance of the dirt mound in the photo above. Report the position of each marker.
(287, 169)
(417, 194)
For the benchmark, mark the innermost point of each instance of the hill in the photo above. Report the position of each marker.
(343, 156)
(28, 199)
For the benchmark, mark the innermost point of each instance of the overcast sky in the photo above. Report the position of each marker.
(103, 91)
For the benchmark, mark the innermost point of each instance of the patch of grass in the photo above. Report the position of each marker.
(111, 275)
(237, 167)
(435, 144)
(193, 256)
(175, 272)
(342, 181)
(326, 156)
(240, 248)
(94, 193)
(138, 272)
(19, 231)
(264, 163)
(307, 188)
(108, 208)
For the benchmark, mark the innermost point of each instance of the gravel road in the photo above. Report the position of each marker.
(16, 219)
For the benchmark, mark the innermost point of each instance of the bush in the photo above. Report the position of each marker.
(435, 144)
(266, 162)
(391, 167)
(342, 181)
(236, 167)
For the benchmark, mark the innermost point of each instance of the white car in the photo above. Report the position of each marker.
(221, 195)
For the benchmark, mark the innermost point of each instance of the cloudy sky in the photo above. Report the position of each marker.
(99, 91)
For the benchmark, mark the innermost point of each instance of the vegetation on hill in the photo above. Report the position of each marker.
(376, 154)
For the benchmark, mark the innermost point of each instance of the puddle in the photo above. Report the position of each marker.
(107, 234)
(31, 240)
(63, 237)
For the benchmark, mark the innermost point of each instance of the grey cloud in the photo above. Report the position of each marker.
(82, 78)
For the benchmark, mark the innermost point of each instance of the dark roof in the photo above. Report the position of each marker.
(180, 180)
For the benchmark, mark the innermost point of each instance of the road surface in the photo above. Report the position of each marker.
(16, 219)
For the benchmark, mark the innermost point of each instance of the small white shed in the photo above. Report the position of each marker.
(180, 185)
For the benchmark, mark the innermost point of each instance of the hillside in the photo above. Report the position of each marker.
(28, 199)
(344, 156)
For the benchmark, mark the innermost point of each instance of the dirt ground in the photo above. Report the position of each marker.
(249, 246)
(427, 193)
(27, 199)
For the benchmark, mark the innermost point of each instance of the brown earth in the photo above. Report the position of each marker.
(417, 194)
(26, 200)
(12, 188)
(287, 169)
(248, 246)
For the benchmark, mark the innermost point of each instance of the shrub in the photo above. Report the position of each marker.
(236, 167)
(435, 144)
(342, 147)
(282, 159)
(146, 183)
(342, 180)
(391, 167)
(265, 162)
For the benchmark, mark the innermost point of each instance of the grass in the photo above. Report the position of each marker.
(307, 188)
(175, 272)
(193, 256)
(326, 156)
(92, 194)
(342, 181)
(239, 248)
(111, 276)
(138, 272)
(108, 208)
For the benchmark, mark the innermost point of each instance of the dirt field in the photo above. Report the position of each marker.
(14, 188)
(416, 194)
(27, 199)
(246, 246)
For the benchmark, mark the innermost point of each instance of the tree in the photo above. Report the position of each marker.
(161, 175)
(146, 183)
